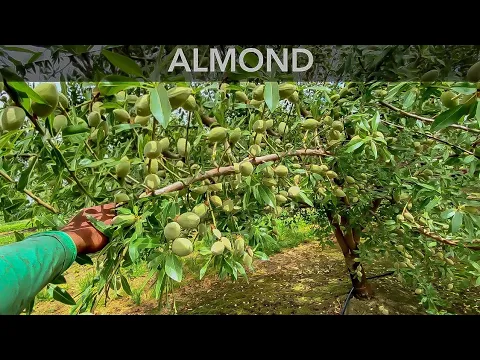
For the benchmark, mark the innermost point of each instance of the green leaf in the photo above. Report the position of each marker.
(60, 279)
(432, 203)
(267, 196)
(62, 295)
(477, 114)
(409, 99)
(447, 214)
(305, 199)
(449, 117)
(374, 149)
(25, 176)
(457, 221)
(354, 144)
(203, 270)
(160, 283)
(271, 95)
(375, 121)
(75, 129)
(173, 267)
(83, 260)
(123, 63)
(112, 84)
(23, 87)
(125, 285)
(160, 105)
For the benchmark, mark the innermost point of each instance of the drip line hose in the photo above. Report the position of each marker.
(350, 293)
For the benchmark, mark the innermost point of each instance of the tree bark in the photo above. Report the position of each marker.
(348, 242)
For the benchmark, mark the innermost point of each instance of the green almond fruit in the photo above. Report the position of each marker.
(201, 210)
(339, 193)
(163, 144)
(418, 291)
(142, 105)
(328, 120)
(178, 95)
(190, 104)
(217, 135)
(228, 205)
(259, 126)
(94, 119)
(217, 248)
(283, 193)
(49, 93)
(151, 166)
(409, 216)
(316, 169)
(269, 182)
(294, 191)
(152, 150)
(234, 135)
(294, 98)
(281, 171)
(121, 115)
(124, 220)
(226, 242)
(183, 147)
(256, 103)
(152, 181)
(182, 247)
(60, 122)
(430, 76)
(246, 168)
(447, 99)
(286, 89)
(239, 246)
(241, 97)
(132, 98)
(334, 97)
(337, 125)
(255, 150)
(98, 107)
(188, 220)
(121, 197)
(473, 74)
(257, 93)
(13, 118)
(215, 187)
(268, 172)
(142, 120)
(331, 174)
(268, 124)
(282, 128)
(350, 180)
(172, 230)
(310, 124)
(216, 201)
(63, 101)
(247, 260)
(123, 167)
(280, 199)
(400, 218)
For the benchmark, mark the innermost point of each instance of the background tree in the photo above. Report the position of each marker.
(389, 168)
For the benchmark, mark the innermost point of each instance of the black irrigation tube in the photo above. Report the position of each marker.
(350, 293)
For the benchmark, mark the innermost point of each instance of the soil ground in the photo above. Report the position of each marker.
(302, 280)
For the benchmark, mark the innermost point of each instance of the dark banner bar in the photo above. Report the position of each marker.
(308, 63)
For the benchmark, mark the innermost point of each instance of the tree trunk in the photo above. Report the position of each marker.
(348, 242)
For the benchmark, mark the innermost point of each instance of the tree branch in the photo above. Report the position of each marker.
(434, 138)
(29, 193)
(425, 119)
(227, 170)
(438, 238)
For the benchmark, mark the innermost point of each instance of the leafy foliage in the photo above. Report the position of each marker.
(387, 167)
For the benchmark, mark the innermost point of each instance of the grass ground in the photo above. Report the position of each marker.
(301, 278)
(7, 231)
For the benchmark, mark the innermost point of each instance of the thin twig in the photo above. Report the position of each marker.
(425, 119)
(38, 200)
